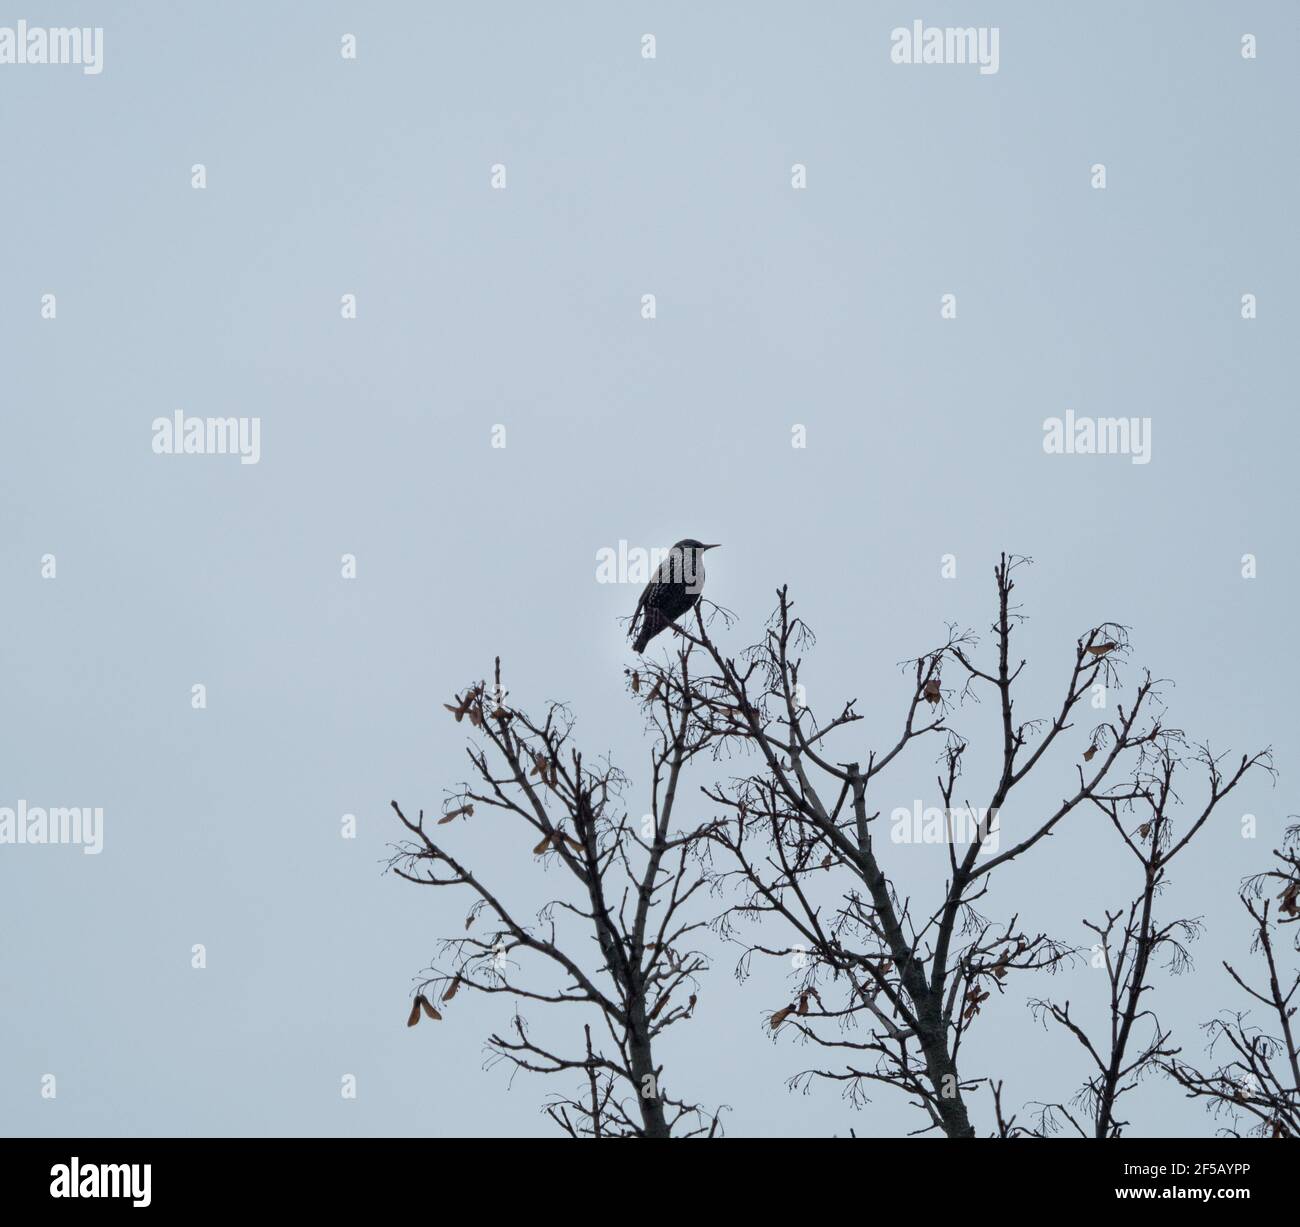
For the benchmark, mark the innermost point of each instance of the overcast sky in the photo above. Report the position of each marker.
(522, 307)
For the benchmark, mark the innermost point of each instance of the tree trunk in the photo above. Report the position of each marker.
(653, 1121)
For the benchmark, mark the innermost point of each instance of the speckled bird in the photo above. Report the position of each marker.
(673, 591)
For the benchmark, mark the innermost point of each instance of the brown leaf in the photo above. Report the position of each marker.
(973, 999)
(414, 1016)
(654, 693)
(803, 1004)
(690, 1005)
(659, 1005)
(636, 682)
(458, 712)
(931, 691)
(467, 810)
(574, 844)
(780, 1016)
(427, 1006)
(469, 920)
(542, 846)
(826, 864)
(452, 990)
(1100, 649)
(1089, 754)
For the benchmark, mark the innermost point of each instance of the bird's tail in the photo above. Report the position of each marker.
(652, 622)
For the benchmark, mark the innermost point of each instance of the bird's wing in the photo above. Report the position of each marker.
(662, 575)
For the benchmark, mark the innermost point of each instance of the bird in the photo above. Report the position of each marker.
(671, 592)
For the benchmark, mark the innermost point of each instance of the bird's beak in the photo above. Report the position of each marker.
(714, 546)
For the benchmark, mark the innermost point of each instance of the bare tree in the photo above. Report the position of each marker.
(616, 938)
(886, 983)
(1257, 1086)
(890, 984)
(1130, 941)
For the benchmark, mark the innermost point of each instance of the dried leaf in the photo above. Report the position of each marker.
(636, 682)
(1089, 754)
(973, 999)
(414, 1016)
(427, 1006)
(458, 712)
(452, 990)
(467, 810)
(780, 1016)
(826, 864)
(1100, 649)
(931, 691)
(659, 1005)
(541, 847)
(803, 1004)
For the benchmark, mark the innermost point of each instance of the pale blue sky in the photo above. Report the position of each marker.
(521, 307)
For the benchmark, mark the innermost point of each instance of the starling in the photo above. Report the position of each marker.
(675, 588)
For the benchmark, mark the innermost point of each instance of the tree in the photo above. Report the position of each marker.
(1257, 1086)
(1131, 940)
(890, 984)
(627, 885)
(887, 983)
